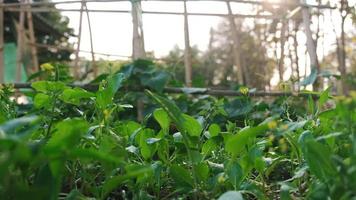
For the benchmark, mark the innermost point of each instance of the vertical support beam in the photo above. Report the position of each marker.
(236, 45)
(314, 64)
(76, 61)
(138, 45)
(35, 64)
(187, 49)
(295, 43)
(281, 58)
(20, 40)
(95, 69)
(2, 46)
(2, 30)
(344, 11)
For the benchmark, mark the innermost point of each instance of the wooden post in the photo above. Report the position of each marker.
(187, 50)
(281, 58)
(20, 46)
(236, 46)
(344, 11)
(76, 61)
(95, 69)
(310, 43)
(2, 62)
(35, 64)
(295, 43)
(138, 45)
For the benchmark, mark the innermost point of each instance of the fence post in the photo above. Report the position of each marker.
(314, 64)
(138, 45)
(32, 37)
(20, 40)
(76, 61)
(93, 63)
(187, 49)
(236, 46)
(2, 62)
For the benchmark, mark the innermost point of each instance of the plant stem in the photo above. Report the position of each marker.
(186, 143)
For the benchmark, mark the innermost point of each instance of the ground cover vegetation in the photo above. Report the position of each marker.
(75, 143)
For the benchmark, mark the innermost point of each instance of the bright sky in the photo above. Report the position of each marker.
(112, 32)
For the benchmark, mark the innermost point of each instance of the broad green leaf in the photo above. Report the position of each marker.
(75, 195)
(105, 95)
(162, 118)
(57, 171)
(75, 95)
(114, 182)
(191, 125)
(181, 176)
(156, 80)
(66, 136)
(231, 195)
(47, 86)
(115, 82)
(184, 123)
(236, 143)
(42, 101)
(214, 130)
(235, 173)
(209, 146)
(171, 109)
(202, 171)
(147, 150)
(10, 127)
(239, 106)
(44, 179)
(317, 155)
(324, 96)
(196, 157)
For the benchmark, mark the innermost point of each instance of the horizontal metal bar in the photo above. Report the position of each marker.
(106, 1)
(144, 12)
(192, 91)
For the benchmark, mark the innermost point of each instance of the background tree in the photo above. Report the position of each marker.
(51, 31)
(216, 65)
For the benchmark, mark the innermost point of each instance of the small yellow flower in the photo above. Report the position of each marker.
(244, 90)
(271, 138)
(47, 67)
(272, 124)
(107, 113)
(285, 86)
(283, 145)
(221, 179)
(284, 127)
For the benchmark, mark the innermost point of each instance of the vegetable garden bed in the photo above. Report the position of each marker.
(79, 144)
